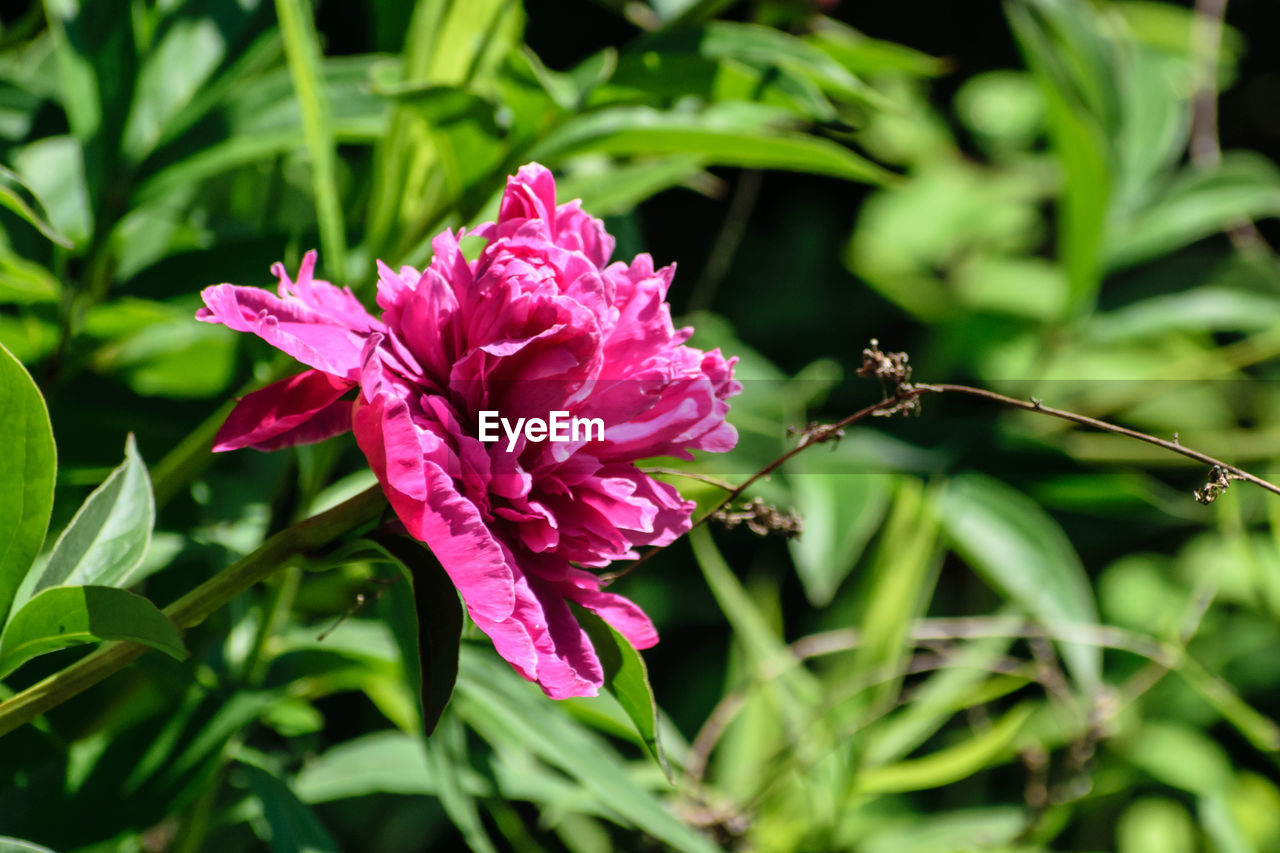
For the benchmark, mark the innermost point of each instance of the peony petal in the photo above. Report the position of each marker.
(625, 617)
(261, 419)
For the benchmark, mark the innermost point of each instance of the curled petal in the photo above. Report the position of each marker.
(299, 410)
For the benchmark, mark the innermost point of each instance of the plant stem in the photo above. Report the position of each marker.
(905, 394)
(196, 606)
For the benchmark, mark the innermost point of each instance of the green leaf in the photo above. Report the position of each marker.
(1023, 553)
(766, 46)
(899, 587)
(624, 185)
(446, 756)
(24, 282)
(109, 535)
(177, 74)
(1179, 756)
(498, 704)
(427, 624)
(1155, 823)
(301, 46)
(840, 512)
(863, 55)
(27, 467)
(97, 62)
(17, 845)
(390, 762)
(1072, 64)
(949, 765)
(73, 615)
(627, 680)
(1199, 204)
(721, 136)
(294, 827)
(20, 198)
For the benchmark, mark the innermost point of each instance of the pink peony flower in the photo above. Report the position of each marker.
(540, 322)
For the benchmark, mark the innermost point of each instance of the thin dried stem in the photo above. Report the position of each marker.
(903, 397)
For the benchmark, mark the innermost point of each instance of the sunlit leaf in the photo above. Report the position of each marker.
(627, 680)
(27, 468)
(73, 615)
(1024, 555)
(108, 537)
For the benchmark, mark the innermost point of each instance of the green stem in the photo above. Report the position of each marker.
(196, 606)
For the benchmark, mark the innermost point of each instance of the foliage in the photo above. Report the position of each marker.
(996, 631)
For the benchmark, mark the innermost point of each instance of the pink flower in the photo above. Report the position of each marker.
(540, 322)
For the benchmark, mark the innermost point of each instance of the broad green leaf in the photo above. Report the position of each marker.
(949, 765)
(427, 624)
(27, 467)
(840, 512)
(1198, 204)
(627, 680)
(18, 197)
(1023, 553)
(294, 827)
(108, 537)
(53, 167)
(73, 615)
(731, 142)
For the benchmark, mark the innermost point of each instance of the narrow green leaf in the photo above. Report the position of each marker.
(73, 615)
(446, 756)
(625, 185)
(949, 765)
(1072, 66)
(427, 623)
(389, 761)
(1197, 205)
(901, 583)
(627, 679)
(17, 845)
(294, 827)
(27, 467)
(109, 535)
(22, 200)
(766, 46)
(720, 136)
(497, 703)
(301, 46)
(1023, 553)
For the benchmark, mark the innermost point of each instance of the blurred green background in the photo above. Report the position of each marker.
(998, 631)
